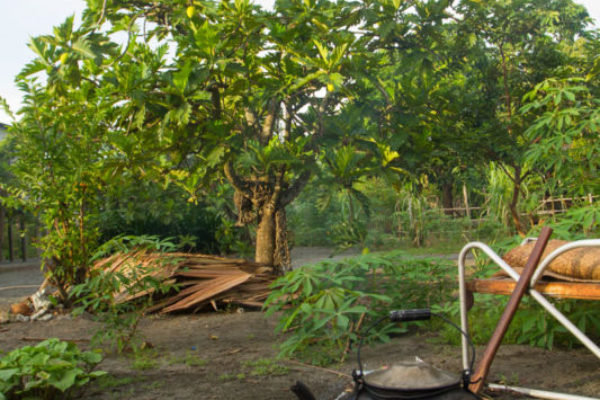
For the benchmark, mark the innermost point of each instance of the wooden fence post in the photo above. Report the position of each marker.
(466, 199)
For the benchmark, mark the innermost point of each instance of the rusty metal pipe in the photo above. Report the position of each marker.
(509, 311)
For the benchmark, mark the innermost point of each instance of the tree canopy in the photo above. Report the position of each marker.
(203, 93)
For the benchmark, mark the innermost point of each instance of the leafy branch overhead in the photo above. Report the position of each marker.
(198, 94)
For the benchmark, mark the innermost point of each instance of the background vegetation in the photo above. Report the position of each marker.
(372, 124)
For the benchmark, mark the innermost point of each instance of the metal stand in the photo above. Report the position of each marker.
(534, 293)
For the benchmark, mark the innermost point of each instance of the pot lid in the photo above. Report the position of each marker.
(414, 375)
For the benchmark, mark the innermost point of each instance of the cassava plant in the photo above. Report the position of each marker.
(326, 306)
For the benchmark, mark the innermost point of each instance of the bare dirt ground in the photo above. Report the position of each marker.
(217, 356)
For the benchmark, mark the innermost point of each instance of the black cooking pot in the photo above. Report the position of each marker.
(405, 380)
(411, 380)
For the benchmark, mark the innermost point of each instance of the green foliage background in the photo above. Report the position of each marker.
(214, 116)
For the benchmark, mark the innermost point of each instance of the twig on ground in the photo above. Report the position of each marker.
(331, 371)
(33, 339)
(349, 342)
(19, 287)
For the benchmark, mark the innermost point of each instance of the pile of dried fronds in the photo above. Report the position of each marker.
(202, 280)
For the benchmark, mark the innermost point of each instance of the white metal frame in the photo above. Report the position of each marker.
(534, 293)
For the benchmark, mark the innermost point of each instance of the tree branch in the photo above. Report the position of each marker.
(102, 13)
(507, 96)
(250, 118)
(215, 98)
(295, 188)
(320, 111)
(269, 122)
(277, 190)
(238, 183)
(287, 132)
(503, 168)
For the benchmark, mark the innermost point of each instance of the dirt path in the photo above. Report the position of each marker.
(232, 356)
(235, 359)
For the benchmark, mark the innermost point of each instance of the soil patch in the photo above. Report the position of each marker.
(232, 356)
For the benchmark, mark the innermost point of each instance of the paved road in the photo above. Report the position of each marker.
(310, 255)
(28, 273)
(19, 274)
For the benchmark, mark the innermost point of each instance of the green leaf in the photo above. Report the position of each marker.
(67, 379)
(180, 78)
(6, 374)
(343, 321)
(91, 357)
(303, 81)
(82, 48)
(322, 51)
(215, 156)
(39, 48)
(97, 374)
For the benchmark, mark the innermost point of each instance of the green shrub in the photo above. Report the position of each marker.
(96, 295)
(150, 209)
(324, 306)
(531, 325)
(50, 370)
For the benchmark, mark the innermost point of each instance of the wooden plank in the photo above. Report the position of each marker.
(213, 288)
(562, 290)
(253, 304)
(209, 274)
(209, 260)
(201, 285)
(217, 285)
(214, 267)
(124, 296)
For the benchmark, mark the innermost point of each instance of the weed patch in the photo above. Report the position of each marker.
(145, 359)
(190, 359)
(266, 367)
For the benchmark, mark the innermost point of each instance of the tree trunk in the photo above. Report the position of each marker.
(271, 239)
(268, 203)
(282, 251)
(447, 198)
(265, 235)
